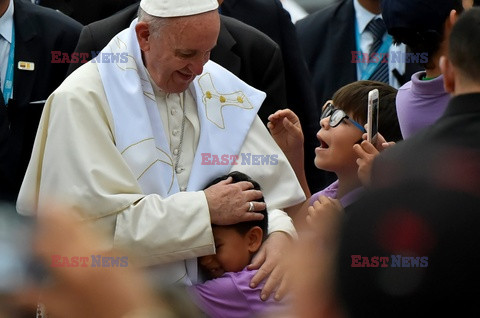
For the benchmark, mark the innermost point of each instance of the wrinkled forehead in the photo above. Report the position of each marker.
(196, 30)
(208, 22)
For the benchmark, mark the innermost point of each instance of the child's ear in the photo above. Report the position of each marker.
(254, 238)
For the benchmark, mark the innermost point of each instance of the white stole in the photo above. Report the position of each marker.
(226, 108)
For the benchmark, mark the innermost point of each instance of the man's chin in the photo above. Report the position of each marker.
(178, 88)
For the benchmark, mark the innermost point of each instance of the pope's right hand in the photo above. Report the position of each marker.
(229, 203)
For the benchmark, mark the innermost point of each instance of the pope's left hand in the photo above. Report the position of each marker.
(270, 261)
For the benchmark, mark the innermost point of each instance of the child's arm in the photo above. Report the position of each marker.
(286, 130)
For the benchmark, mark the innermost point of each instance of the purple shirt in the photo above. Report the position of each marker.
(230, 296)
(331, 192)
(420, 103)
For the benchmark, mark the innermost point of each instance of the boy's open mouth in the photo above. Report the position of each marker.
(323, 144)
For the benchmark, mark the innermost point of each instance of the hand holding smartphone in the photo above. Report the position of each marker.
(372, 115)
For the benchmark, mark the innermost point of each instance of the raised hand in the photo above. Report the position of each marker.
(286, 130)
(272, 265)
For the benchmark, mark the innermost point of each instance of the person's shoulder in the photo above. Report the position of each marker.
(80, 98)
(45, 16)
(245, 33)
(405, 87)
(84, 81)
(218, 297)
(276, 7)
(325, 15)
(116, 22)
(258, 7)
(241, 280)
(232, 293)
(230, 284)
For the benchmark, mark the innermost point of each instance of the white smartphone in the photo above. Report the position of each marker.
(372, 115)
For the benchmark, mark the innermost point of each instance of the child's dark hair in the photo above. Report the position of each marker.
(243, 227)
(421, 40)
(353, 98)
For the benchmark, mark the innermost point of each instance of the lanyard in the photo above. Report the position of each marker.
(8, 87)
(367, 69)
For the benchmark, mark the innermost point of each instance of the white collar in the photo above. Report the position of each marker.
(363, 16)
(6, 23)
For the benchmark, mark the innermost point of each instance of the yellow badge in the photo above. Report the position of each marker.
(26, 66)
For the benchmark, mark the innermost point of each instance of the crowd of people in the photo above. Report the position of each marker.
(178, 158)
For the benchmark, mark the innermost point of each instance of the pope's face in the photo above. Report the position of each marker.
(176, 54)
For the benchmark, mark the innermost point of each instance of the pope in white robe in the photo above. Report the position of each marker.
(114, 146)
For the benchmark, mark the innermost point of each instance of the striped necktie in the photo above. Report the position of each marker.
(377, 28)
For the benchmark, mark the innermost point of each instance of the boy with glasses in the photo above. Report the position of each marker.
(342, 126)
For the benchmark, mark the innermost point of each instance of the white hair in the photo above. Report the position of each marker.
(155, 24)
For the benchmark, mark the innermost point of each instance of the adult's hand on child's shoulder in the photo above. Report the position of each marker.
(271, 262)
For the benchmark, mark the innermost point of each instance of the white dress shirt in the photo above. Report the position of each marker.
(6, 26)
(363, 18)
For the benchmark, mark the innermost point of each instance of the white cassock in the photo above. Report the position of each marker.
(85, 157)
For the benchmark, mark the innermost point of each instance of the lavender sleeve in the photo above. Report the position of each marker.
(230, 296)
(330, 191)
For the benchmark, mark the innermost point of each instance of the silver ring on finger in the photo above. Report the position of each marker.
(251, 207)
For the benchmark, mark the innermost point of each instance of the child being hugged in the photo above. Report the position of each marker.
(341, 128)
(228, 292)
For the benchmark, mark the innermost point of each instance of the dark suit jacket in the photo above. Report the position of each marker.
(327, 38)
(38, 32)
(446, 153)
(269, 17)
(87, 11)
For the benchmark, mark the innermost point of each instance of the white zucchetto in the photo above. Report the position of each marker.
(177, 8)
